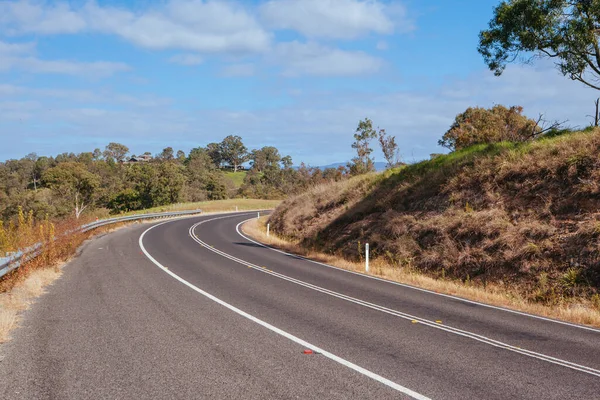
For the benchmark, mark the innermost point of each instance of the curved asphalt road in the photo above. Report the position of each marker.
(192, 309)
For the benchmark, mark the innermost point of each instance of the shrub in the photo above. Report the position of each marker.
(480, 125)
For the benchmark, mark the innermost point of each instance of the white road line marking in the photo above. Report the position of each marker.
(588, 328)
(283, 333)
(446, 328)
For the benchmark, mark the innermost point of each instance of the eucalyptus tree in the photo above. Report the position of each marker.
(564, 31)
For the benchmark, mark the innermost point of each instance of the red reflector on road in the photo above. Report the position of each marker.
(308, 351)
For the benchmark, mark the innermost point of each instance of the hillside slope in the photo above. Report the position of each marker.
(524, 216)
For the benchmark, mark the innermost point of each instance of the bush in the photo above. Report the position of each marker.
(479, 125)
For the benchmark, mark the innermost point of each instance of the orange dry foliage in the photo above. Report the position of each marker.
(479, 125)
(59, 240)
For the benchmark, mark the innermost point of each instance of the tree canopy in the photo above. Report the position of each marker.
(363, 135)
(565, 31)
(233, 151)
(389, 148)
(116, 152)
(480, 125)
(74, 182)
(108, 182)
(266, 157)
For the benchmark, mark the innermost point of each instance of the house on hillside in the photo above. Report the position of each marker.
(230, 168)
(137, 159)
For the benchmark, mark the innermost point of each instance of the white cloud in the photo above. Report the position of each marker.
(313, 59)
(236, 70)
(382, 45)
(311, 120)
(96, 69)
(208, 27)
(20, 56)
(198, 25)
(336, 19)
(186, 59)
(35, 17)
(202, 27)
(102, 97)
(11, 49)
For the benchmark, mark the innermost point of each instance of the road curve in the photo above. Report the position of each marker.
(192, 309)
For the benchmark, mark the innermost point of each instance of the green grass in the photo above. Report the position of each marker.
(236, 177)
(214, 206)
(469, 155)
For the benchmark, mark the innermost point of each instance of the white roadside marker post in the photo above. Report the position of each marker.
(366, 257)
(268, 228)
(236, 209)
(258, 217)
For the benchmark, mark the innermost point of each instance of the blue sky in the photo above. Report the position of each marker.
(295, 74)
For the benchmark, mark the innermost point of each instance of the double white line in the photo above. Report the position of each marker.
(433, 324)
(295, 339)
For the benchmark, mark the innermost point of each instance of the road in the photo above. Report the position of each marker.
(190, 308)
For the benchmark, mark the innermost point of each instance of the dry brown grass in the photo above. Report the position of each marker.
(216, 206)
(21, 296)
(523, 217)
(581, 312)
(19, 288)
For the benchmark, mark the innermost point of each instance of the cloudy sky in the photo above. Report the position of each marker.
(295, 74)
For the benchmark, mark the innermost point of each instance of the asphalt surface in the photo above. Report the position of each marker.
(195, 310)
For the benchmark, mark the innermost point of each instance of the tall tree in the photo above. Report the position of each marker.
(170, 182)
(116, 152)
(97, 154)
(363, 135)
(35, 178)
(166, 154)
(233, 151)
(180, 156)
(71, 181)
(41, 165)
(266, 157)
(565, 31)
(287, 162)
(390, 149)
(215, 153)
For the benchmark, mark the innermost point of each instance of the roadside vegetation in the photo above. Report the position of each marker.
(111, 182)
(240, 204)
(515, 217)
(19, 288)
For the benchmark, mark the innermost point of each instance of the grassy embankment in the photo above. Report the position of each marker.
(20, 288)
(511, 224)
(236, 177)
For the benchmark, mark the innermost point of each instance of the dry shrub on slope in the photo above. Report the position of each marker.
(521, 215)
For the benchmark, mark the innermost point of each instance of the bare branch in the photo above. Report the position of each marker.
(543, 128)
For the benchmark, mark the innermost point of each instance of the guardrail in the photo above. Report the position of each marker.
(17, 259)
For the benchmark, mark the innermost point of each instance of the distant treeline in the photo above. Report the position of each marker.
(115, 180)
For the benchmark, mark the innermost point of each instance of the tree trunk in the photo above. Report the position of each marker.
(596, 116)
(79, 206)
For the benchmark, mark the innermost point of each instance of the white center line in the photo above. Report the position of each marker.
(278, 331)
(433, 324)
